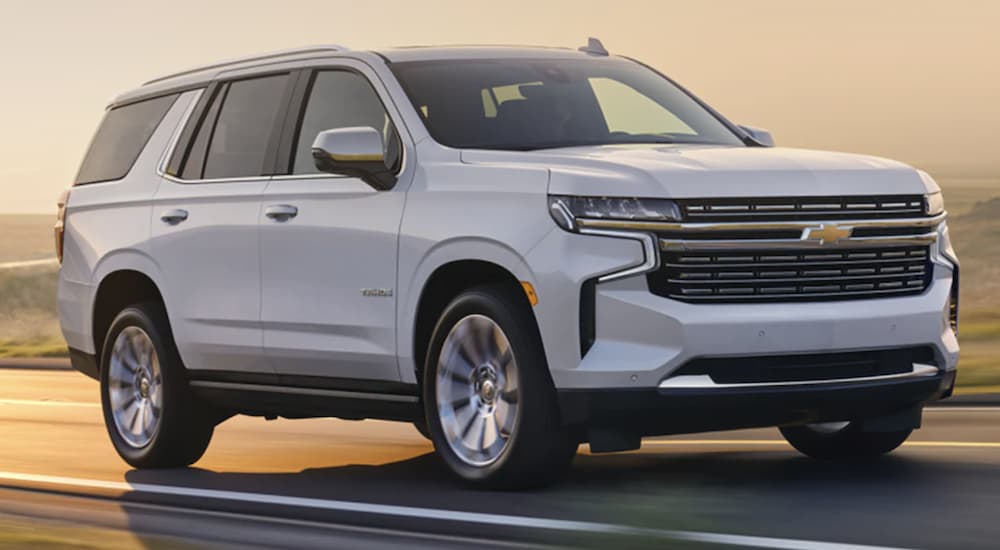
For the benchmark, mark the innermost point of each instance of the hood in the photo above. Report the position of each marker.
(699, 171)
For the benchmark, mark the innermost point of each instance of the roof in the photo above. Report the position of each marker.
(269, 57)
(198, 76)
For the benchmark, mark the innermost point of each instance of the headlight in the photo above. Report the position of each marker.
(934, 204)
(565, 210)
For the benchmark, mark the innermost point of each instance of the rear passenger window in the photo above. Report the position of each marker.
(243, 129)
(120, 138)
(342, 99)
(233, 136)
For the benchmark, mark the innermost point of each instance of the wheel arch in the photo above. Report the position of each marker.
(117, 289)
(441, 286)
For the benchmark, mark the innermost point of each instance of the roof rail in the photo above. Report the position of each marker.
(248, 59)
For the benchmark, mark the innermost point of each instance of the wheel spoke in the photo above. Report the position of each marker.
(489, 432)
(461, 403)
(482, 434)
(133, 422)
(467, 351)
(505, 358)
(488, 334)
(469, 425)
(461, 377)
(129, 401)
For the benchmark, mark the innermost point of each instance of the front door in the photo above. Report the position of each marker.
(328, 248)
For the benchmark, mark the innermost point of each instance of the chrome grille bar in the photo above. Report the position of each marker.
(804, 275)
(923, 239)
(756, 208)
(801, 225)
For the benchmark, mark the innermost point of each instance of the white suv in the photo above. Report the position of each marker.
(517, 249)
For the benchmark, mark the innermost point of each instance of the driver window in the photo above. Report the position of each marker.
(342, 99)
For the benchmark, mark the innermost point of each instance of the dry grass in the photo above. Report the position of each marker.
(28, 325)
(26, 237)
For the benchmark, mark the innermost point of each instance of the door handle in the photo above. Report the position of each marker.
(174, 217)
(281, 212)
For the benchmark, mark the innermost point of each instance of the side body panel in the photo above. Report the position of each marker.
(108, 229)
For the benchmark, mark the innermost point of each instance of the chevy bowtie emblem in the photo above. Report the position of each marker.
(827, 233)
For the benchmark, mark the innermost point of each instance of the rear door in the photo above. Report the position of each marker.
(205, 230)
(329, 243)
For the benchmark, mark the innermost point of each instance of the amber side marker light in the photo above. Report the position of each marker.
(60, 227)
(529, 291)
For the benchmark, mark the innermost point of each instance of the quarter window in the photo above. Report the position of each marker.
(342, 99)
(120, 138)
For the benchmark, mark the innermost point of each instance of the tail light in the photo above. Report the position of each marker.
(60, 226)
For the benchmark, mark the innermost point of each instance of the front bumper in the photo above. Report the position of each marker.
(646, 412)
(642, 339)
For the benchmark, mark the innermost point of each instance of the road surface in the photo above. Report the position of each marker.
(330, 483)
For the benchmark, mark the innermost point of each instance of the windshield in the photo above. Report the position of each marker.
(524, 104)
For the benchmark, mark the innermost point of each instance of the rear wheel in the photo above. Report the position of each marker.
(149, 412)
(489, 400)
(842, 440)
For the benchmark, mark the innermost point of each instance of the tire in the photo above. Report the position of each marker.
(140, 339)
(527, 445)
(831, 442)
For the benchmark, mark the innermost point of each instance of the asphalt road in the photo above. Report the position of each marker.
(330, 483)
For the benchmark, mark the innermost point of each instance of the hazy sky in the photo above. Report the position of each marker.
(917, 81)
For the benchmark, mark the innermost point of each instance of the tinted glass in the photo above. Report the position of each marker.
(120, 138)
(195, 164)
(537, 104)
(243, 129)
(341, 99)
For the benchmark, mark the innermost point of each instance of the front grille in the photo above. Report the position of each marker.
(786, 276)
(802, 208)
(809, 367)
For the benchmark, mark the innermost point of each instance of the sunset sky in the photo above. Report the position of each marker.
(917, 81)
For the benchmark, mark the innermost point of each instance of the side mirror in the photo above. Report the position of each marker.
(355, 152)
(762, 137)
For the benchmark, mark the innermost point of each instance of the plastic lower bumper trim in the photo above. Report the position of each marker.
(662, 411)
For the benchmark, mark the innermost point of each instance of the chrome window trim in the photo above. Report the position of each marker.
(705, 382)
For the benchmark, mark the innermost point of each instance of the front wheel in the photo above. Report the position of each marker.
(150, 414)
(489, 400)
(842, 440)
